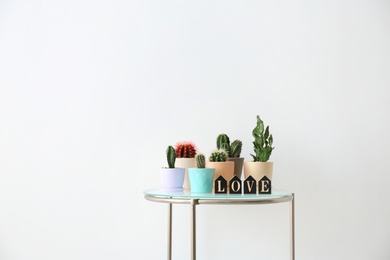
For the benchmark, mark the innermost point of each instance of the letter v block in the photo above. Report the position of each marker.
(264, 185)
(220, 185)
(250, 185)
(235, 185)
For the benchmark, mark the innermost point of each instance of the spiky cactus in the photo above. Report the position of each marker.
(171, 156)
(235, 149)
(263, 142)
(200, 160)
(223, 142)
(185, 150)
(219, 155)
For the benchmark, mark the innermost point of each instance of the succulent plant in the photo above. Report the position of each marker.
(185, 150)
(171, 156)
(219, 155)
(233, 149)
(200, 160)
(262, 145)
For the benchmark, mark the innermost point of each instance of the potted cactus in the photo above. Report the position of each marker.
(234, 151)
(171, 178)
(185, 158)
(201, 178)
(218, 161)
(262, 146)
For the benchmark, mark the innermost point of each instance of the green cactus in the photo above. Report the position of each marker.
(222, 140)
(219, 155)
(200, 160)
(171, 156)
(235, 149)
(263, 142)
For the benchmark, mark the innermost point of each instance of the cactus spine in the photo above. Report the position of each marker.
(185, 150)
(219, 155)
(262, 145)
(171, 156)
(200, 160)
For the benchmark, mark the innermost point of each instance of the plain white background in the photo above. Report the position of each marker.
(92, 93)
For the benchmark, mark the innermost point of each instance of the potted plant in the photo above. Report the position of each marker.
(218, 161)
(171, 178)
(201, 178)
(185, 158)
(262, 146)
(233, 150)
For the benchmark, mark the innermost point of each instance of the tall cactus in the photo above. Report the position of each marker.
(200, 160)
(262, 145)
(185, 150)
(171, 156)
(219, 155)
(221, 140)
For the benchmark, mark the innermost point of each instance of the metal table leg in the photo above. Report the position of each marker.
(194, 202)
(292, 226)
(169, 249)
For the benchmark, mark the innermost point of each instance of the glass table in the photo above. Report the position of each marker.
(194, 199)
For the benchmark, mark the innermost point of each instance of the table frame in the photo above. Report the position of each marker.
(194, 201)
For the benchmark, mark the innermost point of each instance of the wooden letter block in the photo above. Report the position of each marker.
(220, 185)
(264, 185)
(235, 185)
(250, 185)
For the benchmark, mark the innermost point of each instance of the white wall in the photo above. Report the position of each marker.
(92, 92)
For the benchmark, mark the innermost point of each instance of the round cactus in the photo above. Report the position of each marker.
(200, 160)
(219, 155)
(185, 150)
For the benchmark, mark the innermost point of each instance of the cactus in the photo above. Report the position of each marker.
(223, 142)
(235, 149)
(171, 156)
(185, 150)
(200, 160)
(263, 142)
(219, 155)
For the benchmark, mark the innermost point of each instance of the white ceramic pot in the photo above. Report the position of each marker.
(185, 163)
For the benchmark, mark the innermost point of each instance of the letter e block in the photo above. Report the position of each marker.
(264, 185)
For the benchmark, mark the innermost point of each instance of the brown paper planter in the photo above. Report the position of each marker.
(226, 169)
(258, 169)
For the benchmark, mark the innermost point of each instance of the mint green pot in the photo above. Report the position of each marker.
(201, 179)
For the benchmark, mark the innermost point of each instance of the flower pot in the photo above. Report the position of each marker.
(258, 169)
(201, 179)
(185, 163)
(172, 179)
(238, 164)
(226, 169)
